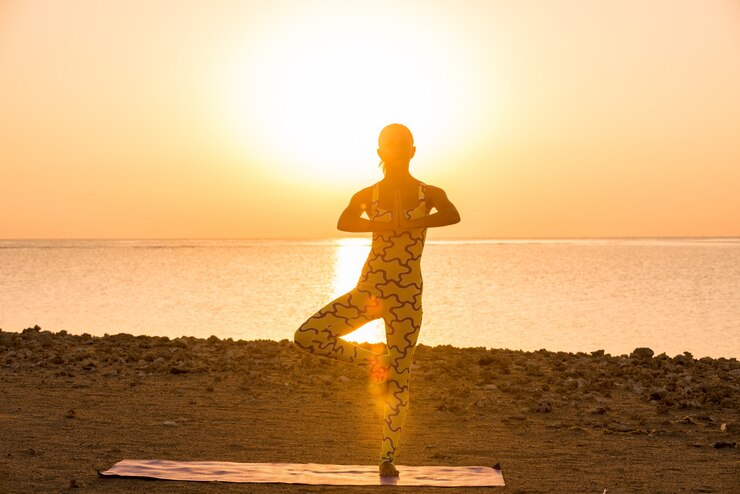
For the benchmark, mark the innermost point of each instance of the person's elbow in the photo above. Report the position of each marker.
(454, 216)
(344, 224)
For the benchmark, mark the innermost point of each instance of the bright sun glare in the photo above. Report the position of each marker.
(350, 256)
(310, 91)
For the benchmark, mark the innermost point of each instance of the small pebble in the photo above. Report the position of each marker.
(686, 420)
(617, 427)
(723, 445)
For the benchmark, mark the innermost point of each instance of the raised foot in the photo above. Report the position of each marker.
(388, 469)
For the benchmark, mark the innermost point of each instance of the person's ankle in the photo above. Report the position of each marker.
(388, 469)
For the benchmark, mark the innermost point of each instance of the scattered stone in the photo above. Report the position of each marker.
(179, 343)
(724, 445)
(687, 420)
(73, 484)
(483, 402)
(657, 394)
(170, 423)
(46, 340)
(728, 427)
(70, 413)
(619, 427)
(597, 411)
(682, 382)
(544, 407)
(642, 353)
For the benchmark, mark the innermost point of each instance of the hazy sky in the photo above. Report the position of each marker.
(137, 119)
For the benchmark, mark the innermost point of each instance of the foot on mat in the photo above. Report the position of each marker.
(387, 469)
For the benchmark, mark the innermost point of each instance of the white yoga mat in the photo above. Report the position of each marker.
(305, 473)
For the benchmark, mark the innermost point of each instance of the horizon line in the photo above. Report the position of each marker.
(605, 237)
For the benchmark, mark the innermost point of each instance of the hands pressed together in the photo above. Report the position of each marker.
(351, 218)
(399, 222)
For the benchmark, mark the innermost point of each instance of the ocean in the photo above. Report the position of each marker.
(670, 294)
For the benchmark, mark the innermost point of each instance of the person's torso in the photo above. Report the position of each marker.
(394, 263)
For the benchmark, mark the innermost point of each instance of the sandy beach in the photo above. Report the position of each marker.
(556, 422)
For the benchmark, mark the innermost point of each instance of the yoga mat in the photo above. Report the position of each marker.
(305, 473)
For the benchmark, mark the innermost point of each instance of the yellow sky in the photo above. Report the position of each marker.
(123, 119)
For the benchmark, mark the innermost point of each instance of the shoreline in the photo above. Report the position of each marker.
(161, 339)
(555, 421)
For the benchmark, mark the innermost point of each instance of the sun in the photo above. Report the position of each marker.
(309, 92)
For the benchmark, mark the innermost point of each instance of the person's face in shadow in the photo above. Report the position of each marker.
(396, 148)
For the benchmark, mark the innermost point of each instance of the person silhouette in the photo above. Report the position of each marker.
(398, 210)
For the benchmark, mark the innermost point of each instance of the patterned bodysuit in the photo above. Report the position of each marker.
(390, 287)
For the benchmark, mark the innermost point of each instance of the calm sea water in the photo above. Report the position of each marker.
(672, 295)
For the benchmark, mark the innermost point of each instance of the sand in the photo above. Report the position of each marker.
(556, 422)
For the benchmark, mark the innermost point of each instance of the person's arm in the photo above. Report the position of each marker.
(351, 219)
(446, 211)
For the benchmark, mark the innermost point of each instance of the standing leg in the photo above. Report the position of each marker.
(402, 331)
(320, 334)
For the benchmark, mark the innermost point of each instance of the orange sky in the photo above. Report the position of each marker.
(226, 119)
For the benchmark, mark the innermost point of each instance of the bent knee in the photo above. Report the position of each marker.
(303, 338)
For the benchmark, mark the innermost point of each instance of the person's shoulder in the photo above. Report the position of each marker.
(433, 190)
(364, 195)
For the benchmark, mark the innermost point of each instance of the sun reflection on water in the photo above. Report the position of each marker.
(350, 255)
